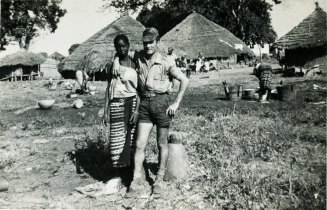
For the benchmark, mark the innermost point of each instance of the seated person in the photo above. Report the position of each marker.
(206, 66)
(212, 67)
(82, 78)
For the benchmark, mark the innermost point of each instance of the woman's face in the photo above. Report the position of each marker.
(122, 48)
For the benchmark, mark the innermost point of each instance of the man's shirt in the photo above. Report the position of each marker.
(155, 74)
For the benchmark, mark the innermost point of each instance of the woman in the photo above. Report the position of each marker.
(121, 111)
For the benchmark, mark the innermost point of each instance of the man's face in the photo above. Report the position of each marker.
(122, 48)
(170, 51)
(150, 47)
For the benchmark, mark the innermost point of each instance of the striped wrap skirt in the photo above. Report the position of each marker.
(122, 133)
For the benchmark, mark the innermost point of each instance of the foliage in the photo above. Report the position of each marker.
(22, 20)
(72, 48)
(249, 20)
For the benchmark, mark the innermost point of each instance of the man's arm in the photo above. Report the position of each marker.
(116, 68)
(177, 74)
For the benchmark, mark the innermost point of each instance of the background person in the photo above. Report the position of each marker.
(82, 79)
(264, 74)
(171, 56)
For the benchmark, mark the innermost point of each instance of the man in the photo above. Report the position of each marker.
(155, 74)
(171, 56)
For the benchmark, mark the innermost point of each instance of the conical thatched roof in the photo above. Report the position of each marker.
(311, 32)
(99, 49)
(57, 56)
(197, 34)
(23, 58)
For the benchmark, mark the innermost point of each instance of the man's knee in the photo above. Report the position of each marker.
(163, 142)
(140, 146)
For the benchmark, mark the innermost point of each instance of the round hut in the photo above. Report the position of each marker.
(96, 52)
(57, 56)
(49, 69)
(306, 44)
(196, 34)
(20, 65)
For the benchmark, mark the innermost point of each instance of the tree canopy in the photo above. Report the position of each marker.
(249, 20)
(21, 21)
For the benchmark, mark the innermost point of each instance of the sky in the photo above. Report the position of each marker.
(85, 17)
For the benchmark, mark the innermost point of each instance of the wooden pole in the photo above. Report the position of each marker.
(38, 71)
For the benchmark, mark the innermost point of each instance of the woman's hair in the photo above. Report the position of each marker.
(121, 37)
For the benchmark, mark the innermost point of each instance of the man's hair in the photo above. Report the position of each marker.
(122, 37)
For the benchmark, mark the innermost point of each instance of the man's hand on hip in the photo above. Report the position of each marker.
(172, 110)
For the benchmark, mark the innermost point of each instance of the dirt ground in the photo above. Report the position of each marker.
(38, 148)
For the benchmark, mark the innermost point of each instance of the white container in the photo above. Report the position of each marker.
(78, 104)
(46, 104)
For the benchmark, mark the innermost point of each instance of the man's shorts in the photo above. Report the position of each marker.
(153, 110)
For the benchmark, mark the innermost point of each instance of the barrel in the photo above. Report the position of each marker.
(234, 93)
(248, 93)
(286, 92)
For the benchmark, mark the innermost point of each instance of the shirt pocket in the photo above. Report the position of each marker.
(159, 74)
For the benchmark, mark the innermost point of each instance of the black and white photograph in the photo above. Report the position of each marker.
(163, 104)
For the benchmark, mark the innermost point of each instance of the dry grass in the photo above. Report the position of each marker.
(242, 155)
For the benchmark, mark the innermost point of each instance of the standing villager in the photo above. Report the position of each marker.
(155, 74)
(121, 111)
(198, 65)
(171, 56)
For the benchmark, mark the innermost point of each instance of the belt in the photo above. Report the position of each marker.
(152, 94)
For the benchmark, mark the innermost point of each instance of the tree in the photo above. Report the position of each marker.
(72, 48)
(249, 20)
(22, 20)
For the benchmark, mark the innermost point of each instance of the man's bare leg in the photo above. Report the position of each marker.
(143, 133)
(138, 187)
(162, 142)
(159, 185)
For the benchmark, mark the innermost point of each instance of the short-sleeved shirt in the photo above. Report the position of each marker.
(154, 75)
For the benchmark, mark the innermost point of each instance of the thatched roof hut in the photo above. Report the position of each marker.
(49, 69)
(57, 56)
(98, 50)
(197, 34)
(311, 32)
(306, 44)
(22, 58)
(20, 63)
